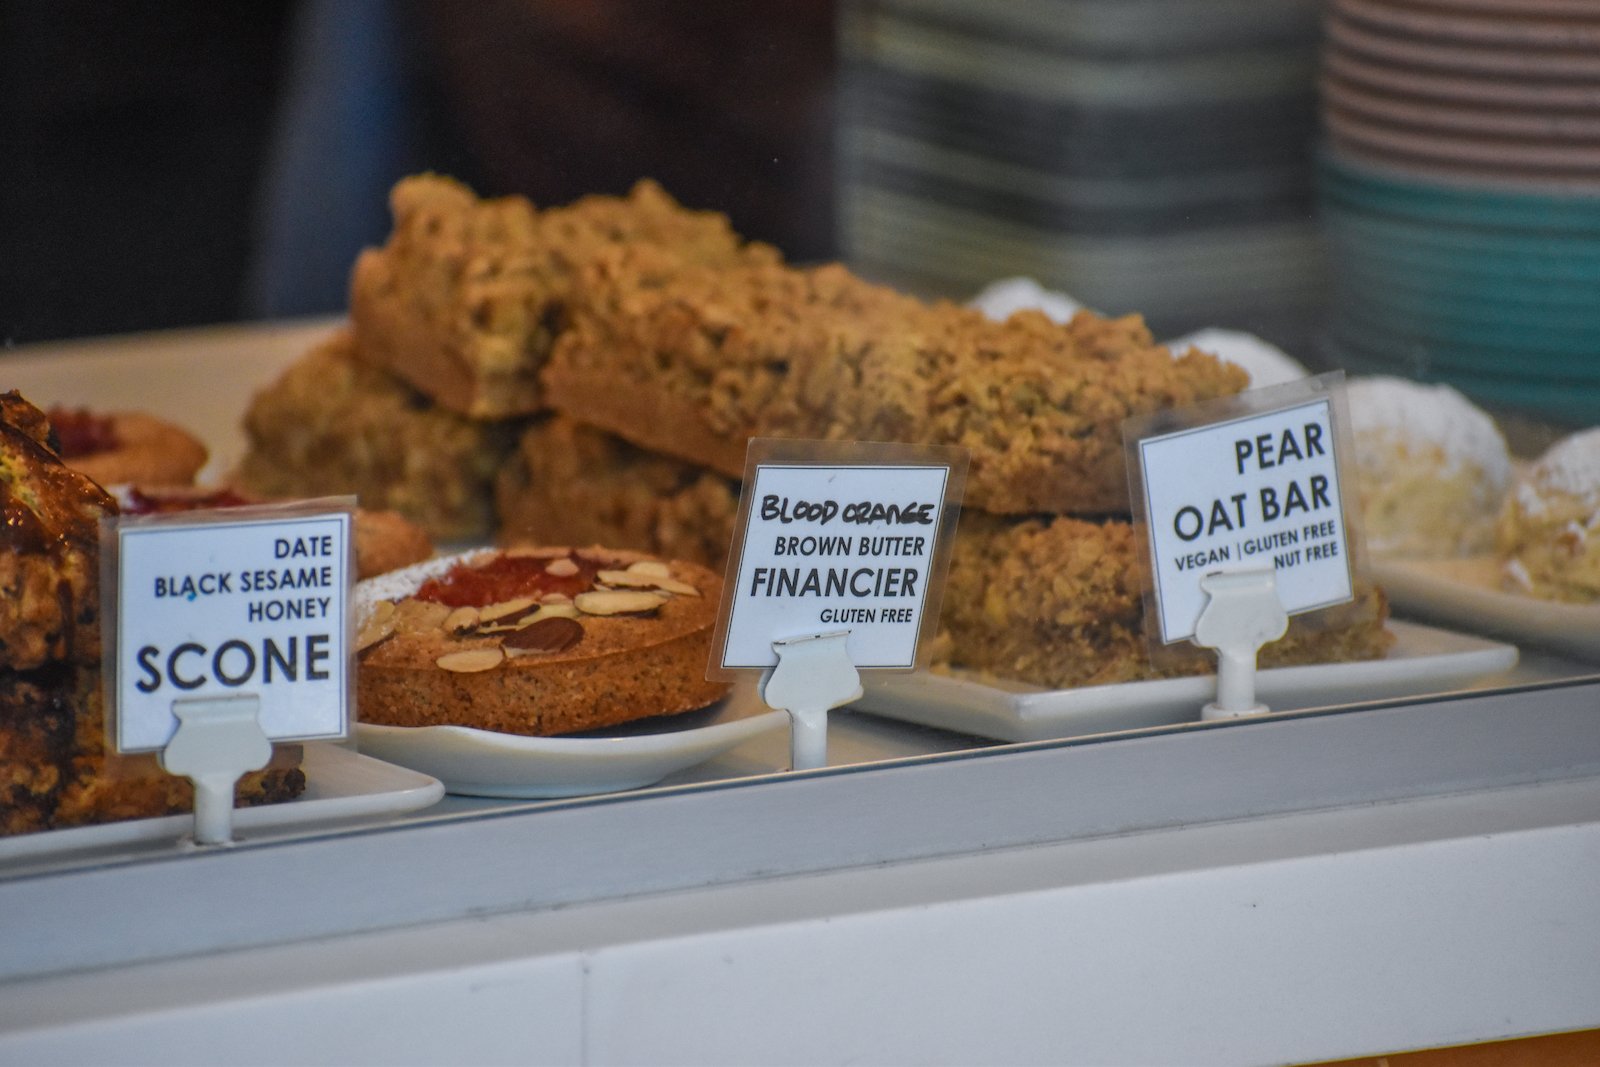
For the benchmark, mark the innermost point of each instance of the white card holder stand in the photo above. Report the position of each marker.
(814, 675)
(1242, 614)
(217, 741)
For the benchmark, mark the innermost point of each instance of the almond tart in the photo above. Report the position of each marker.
(536, 640)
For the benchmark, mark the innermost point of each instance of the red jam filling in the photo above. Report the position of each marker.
(505, 578)
(142, 503)
(81, 432)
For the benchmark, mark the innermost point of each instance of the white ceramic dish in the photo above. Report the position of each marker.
(1423, 660)
(341, 786)
(488, 764)
(1467, 593)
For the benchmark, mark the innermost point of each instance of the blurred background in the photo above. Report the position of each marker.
(187, 162)
(1409, 186)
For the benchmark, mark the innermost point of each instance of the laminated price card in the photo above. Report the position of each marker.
(1253, 491)
(839, 559)
(243, 602)
(839, 537)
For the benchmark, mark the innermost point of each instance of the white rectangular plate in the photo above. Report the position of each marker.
(1422, 660)
(341, 786)
(1466, 593)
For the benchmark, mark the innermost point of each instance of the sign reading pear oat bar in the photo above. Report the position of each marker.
(832, 537)
(1249, 484)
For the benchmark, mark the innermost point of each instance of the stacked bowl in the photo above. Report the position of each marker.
(1143, 155)
(1460, 194)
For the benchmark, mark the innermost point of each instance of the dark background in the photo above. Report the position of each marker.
(189, 162)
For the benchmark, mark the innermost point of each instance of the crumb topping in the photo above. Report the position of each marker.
(1430, 416)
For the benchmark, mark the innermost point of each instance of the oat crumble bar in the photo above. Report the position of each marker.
(332, 424)
(693, 361)
(468, 294)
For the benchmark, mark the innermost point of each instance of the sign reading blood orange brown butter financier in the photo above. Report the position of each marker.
(839, 537)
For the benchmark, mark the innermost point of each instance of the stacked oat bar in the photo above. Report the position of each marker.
(609, 361)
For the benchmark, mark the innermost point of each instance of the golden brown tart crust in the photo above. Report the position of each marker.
(563, 661)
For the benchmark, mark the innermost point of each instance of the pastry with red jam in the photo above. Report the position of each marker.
(126, 447)
(536, 640)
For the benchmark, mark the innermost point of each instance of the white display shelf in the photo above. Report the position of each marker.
(1329, 885)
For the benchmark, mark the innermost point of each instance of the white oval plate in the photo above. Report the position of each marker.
(1467, 593)
(488, 764)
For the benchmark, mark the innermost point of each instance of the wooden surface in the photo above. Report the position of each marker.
(1578, 1049)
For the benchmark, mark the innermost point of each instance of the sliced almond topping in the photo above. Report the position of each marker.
(561, 568)
(546, 636)
(619, 602)
(627, 579)
(460, 621)
(653, 567)
(378, 625)
(672, 585)
(631, 579)
(471, 660)
(418, 616)
(555, 598)
(496, 612)
(521, 622)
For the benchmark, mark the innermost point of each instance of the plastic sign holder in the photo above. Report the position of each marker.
(1243, 613)
(814, 675)
(1242, 524)
(216, 742)
(232, 632)
(840, 552)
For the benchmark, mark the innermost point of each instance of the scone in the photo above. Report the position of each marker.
(1549, 531)
(535, 641)
(1433, 469)
(55, 770)
(49, 547)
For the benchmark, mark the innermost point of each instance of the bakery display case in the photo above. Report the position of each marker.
(1480, 749)
(1046, 843)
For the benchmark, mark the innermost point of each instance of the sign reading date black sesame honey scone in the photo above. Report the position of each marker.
(535, 640)
(840, 536)
(233, 603)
